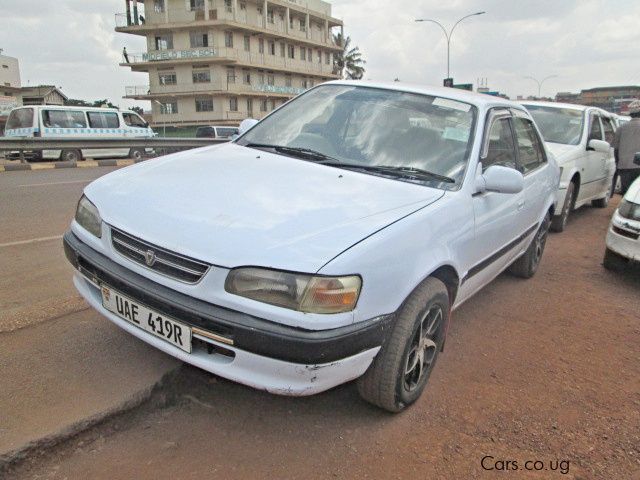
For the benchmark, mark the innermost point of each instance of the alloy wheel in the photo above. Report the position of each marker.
(424, 348)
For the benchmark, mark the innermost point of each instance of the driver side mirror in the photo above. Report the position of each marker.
(246, 124)
(499, 179)
(598, 145)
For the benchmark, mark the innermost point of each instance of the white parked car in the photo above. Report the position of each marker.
(329, 242)
(623, 236)
(580, 139)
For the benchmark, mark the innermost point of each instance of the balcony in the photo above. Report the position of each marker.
(233, 56)
(211, 88)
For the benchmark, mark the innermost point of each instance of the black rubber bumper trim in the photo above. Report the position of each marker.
(249, 333)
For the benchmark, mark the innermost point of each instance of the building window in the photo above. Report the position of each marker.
(271, 79)
(272, 104)
(303, 53)
(260, 78)
(204, 104)
(233, 104)
(282, 49)
(201, 76)
(327, 58)
(247, 43)
(319, 56)
(270, 15)
(272, 47)
(167, 78)
(227, 5)
(246, 77)
(164, 42)
(260, 11)
(261, 45)
(304, 83)
(287, 80)
(199, 39)
(291, 50)
(263, 105)
(310, 55)
(168, 108)
(291, 22)
(249, 105)
(243, 6)
(231, 75)
(228, 39)
(303, 25)
(196, 5)
(158, 6)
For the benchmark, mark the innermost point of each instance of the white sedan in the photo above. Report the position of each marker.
(623, 237)
(328, 243)
(580, 138)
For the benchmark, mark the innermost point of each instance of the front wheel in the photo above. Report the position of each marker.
(559, 222)
(135, 154)
(527, 265)
(603, 202)
(70, 156)
(400, 371)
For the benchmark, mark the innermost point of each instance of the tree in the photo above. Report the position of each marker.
(138, 110)
(348, 63)
(83, 103)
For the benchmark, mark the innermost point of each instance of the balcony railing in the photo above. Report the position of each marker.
(212, 87)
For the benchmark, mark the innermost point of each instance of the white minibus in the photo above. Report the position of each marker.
(78, 123)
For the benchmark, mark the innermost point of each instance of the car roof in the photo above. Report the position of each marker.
(477, 99)
(217, 126)
(572, 106)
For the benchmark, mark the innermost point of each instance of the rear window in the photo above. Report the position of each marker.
(103, 120)
(63, 119)
(227, 132)
(20, 118)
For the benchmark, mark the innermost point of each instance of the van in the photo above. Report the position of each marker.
(77, 122)
(216, 132)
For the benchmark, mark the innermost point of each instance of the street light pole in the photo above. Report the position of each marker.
(448, 34)
(540, 82)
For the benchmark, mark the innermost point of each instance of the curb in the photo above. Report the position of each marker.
(89, 163)
(139, 398)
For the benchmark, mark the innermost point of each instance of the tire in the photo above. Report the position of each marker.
(70, 156)
(612, 261)
(400, 371)
(135, 154)
(527, 265)
(603, 202)
(559, 222)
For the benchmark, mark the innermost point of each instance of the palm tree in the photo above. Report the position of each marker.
(348, 63)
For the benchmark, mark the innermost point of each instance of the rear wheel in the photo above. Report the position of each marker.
(603, 202)
(135, 154)
(612, 261)
(400, 371)
(70, 156)
(559, 222)
(527, 265)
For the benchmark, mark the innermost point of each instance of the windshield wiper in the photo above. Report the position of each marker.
(396, 171)
(307, 153)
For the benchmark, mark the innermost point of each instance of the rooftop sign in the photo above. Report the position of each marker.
(178, 54)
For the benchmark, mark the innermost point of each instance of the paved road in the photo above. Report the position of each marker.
(542, 370)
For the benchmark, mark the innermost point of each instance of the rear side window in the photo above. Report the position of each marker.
(103, 120)
(207, 132)
(609, 131)
(133, 120)
(501, 150)
(226, 132)
(63, 119)
(530, 151)
(20, 118)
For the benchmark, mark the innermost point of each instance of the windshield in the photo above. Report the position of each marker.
(368, 127)
(558, 125)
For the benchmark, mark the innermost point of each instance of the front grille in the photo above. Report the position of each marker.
(626, 233)
(165, 262)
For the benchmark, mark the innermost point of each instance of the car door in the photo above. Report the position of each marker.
(496, 215)
(609, 162)
(532, 163)
(592, 168)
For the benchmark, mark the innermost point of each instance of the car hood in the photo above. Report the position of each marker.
(633, 193)
(230, 206)
(563, 152)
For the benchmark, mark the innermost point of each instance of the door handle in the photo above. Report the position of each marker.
(520, 204)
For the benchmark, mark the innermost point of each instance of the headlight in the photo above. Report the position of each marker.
(88, 217)
(629, 210)
(296, 291)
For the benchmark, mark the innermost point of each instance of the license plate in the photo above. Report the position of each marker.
(155, 323)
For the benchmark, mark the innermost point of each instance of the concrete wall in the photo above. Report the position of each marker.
(9, 72)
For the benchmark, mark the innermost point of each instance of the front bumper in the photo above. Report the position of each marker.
(266, 355)
(623, 237)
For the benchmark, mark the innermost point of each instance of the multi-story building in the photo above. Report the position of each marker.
(220, 61)
(9, 86)
(614, 99)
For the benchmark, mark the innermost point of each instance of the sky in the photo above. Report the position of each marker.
(586, 43)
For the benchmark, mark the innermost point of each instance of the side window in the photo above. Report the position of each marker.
(609, 130)
(20, 118)
(595, 130)
(103, 120)
(63, 119)
(501, 150)
(133, 120)
(530, 151)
